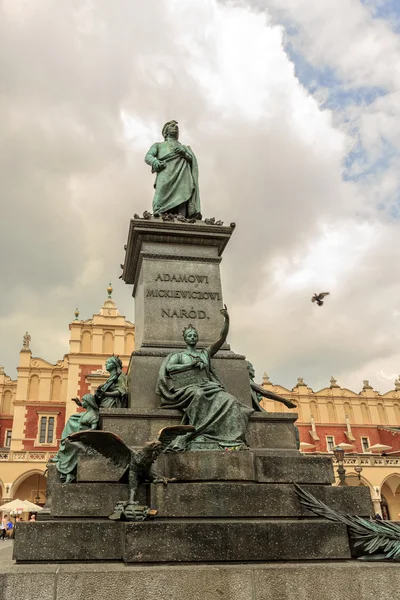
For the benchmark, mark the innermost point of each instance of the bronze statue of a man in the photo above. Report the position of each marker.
(177, 179)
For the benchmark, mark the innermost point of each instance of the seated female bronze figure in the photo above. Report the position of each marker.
(188, 381)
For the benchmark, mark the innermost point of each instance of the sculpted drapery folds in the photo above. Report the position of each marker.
(188, 381)
(112, 394)
(66, 458)
(177, 179)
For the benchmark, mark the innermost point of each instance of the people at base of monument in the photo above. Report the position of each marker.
(188, 381)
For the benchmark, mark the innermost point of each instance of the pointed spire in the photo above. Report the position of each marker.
(109, 290)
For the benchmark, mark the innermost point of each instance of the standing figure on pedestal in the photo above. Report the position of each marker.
(114, 392)
(66, 458)
(177, 179)
(187, 381)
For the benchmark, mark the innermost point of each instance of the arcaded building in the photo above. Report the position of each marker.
(365, 424)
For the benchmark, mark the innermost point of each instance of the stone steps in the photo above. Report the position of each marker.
(189, 540)
(246, 465)
(206, 500)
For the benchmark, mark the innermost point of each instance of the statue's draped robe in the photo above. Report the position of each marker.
(119, 383)
(178, 183)
(220, 420)
(66, 458)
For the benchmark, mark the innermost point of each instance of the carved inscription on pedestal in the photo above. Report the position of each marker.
(194, 287)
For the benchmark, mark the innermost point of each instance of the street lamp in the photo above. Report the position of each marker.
(37, 497)
(358, 470)
(339, 455)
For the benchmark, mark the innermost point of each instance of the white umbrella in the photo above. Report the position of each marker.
(379, 448)
(20, 505)
(345, 446)
(304, 445)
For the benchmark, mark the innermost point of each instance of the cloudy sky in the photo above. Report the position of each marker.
(293, 110)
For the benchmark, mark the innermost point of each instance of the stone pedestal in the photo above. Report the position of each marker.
(174, 269)
(224, 507)
(175, 272)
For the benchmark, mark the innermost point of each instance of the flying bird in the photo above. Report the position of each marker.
(318, 298)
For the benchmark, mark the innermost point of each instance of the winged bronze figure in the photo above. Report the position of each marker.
(139, 463)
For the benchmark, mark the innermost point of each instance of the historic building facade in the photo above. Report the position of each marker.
(35, 406)
(366, 425)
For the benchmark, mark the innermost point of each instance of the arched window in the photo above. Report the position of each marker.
(33, 391)
(6, 408)
(366, 417)
(86, 342)
(56, 388)
(349, 411)
(331, 412)
(381, 414)
(396, 409)
(129, 343)
(108, 343)
(314, 411)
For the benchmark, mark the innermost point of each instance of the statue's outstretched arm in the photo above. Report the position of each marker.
(271, 395)
(224, 333)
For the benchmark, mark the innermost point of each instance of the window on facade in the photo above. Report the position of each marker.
(364, 444)
(33, 393)
(7, 441)
(314, 411)
(382, 414)
(349, 411)
(46, 432)
(330, 443)
(365, 413)
(86, 342)
(331, 413)
(108, 343)
(129, 343)
(56, 388)
(396, 409)
(6, 408)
